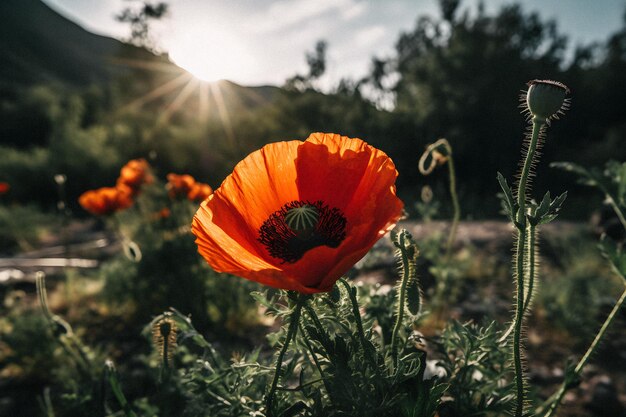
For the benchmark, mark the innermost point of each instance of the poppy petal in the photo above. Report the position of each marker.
(258, 186)
(352, 185)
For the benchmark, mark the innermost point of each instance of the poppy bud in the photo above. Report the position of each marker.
(546, 98)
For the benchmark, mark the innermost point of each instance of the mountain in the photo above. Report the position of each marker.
(39, 45)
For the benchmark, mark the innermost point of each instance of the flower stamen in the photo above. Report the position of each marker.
(300, 226)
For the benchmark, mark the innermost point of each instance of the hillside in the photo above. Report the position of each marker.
(41, 47)
(38, 45)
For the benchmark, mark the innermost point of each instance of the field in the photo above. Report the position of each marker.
(423, 241)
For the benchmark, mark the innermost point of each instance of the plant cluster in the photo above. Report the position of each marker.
(295, 216)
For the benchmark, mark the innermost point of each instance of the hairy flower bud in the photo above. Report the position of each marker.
(545, 99)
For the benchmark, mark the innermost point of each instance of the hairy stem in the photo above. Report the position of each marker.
(318, 365)
(401, 299)
(519, 270)
(294, 319)
(531, 266)
(558, 397)
(359, 324)
(517, 324)
(318, 324)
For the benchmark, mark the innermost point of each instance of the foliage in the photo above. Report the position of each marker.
(160, 267)
(356, 350)
(579, 281)
(23, 227)
(139, 19)
(476, 366)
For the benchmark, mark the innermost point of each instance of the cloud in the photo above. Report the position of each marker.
(352, 11)
(369, 35)
(284, 14)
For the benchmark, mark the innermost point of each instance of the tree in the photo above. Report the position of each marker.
(140, 18)
(316, 61)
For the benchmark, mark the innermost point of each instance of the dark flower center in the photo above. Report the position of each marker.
(300, 226)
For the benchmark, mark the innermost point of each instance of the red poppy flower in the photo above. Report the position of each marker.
(134, 174)
(106, 200)
(4, 187)
(298, 215)
(164, 213)
(179, 185)
(199, 192)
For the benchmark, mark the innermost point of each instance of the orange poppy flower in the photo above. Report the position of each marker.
(134, 174)
(199, 192)
(164, 213)
(179, 185)
(298, 215)
(106, 200)
(4, 187)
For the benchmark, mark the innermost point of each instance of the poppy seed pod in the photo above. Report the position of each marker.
(546, 98)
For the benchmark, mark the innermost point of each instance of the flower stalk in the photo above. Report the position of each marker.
(530, 276)
(294, 319)
(520, 255)
(567, 383)
(407, 253)
(437, 158)
(371, 356)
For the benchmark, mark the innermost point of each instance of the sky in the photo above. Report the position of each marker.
(256, 42)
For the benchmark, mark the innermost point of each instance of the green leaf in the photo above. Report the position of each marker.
(553, 209)
(509, 204)
(615, 254)
(544, 206)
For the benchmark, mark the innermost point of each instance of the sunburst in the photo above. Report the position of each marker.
(187, 91)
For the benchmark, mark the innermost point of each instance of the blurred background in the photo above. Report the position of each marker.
(197, 85)
(193, 86)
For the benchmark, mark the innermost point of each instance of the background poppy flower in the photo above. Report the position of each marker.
(179, 185)
(298, 215)
(134, 174)
(106, 200)
(4, 187)
(199, 192)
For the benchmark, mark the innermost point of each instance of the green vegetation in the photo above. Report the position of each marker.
(155, 331)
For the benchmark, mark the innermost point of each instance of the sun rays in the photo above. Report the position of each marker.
(180, 92)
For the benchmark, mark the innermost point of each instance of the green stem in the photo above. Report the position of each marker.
(594, 345)
(517, 324)
(531, 279)
(359, 324)
(531, 266)
(558, 397)
(318, 365)
(618, 211)
(291, 332)
(401, 299)
(455, 204)
(318, 325)
(117, 390)
(520, 254)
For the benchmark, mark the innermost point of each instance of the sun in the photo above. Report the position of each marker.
(211, 56)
